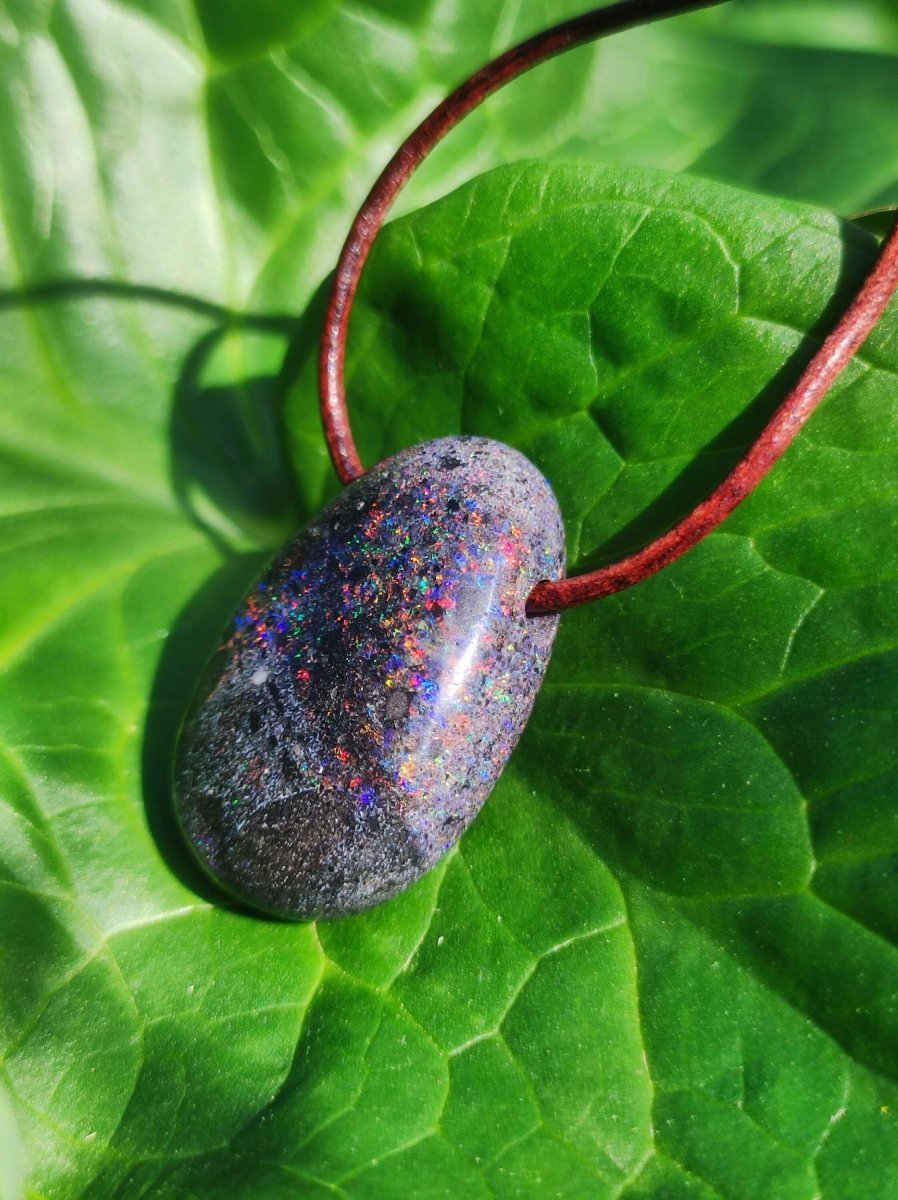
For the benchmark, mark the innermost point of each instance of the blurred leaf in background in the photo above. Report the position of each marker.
(663, 962)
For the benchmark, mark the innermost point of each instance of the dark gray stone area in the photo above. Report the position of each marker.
(373, 683)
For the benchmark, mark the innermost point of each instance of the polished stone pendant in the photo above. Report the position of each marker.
(374, 683)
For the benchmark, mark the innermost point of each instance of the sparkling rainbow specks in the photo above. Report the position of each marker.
(373, 683)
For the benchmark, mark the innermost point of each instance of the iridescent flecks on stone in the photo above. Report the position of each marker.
(374, 683)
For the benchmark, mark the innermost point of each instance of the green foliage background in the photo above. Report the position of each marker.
(663, 963)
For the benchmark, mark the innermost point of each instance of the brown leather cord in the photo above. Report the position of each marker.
(834, 355)
(824, 368)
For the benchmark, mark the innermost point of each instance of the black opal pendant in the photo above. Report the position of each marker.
(374, 683)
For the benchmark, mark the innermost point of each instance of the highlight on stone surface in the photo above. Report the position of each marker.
(373, 683)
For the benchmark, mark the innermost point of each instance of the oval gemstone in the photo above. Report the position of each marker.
(373, 683)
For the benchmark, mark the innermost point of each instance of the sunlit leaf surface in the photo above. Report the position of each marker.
(663, 962)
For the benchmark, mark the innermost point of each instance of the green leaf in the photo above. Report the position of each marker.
(721, 738)
(639, 965)
(12, 1167)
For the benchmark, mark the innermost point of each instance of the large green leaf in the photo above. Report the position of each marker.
(662, 963)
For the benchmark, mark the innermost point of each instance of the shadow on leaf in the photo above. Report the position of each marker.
(232, 476)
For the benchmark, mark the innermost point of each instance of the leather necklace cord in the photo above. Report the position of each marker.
(838, 348)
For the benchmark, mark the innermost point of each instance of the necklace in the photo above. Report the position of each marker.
(376, 679)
